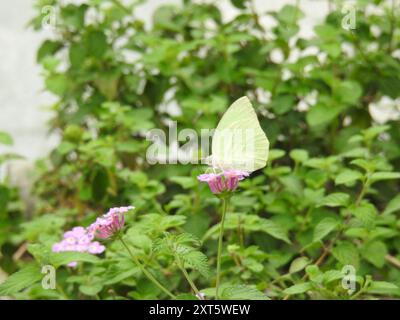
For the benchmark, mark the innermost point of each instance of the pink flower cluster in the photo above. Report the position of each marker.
(80, 239)
(226, 181)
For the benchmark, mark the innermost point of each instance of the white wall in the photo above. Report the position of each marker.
(21, 92)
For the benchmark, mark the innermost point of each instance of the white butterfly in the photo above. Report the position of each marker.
(239, 141)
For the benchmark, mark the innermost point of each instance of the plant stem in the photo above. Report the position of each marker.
(147, 273)
(191, 283)
(221, 234)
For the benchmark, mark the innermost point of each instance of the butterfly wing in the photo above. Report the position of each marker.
(239, 141)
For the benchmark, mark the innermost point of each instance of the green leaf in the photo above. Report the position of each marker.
(383, 287)
(74, 15)
(289, 14)
(321, 114)
(346, 253)
(274, 230)
(66, 147)
(348, 92)
(5, 138)
(46, 223)
(367, 214)
(348, 177)
(96, 43)
(63, 258)
(90, 290)
(128, 146)
(327, 32)
(77, 55)
(198, 261)
(393, 205)
(337, 199)
(48, 48)
(242, 292)
(240, 4)
(372, 132)
(20, 280)
(298, 264)
(332, 275)
(375, 252)
(138, 240)
(299, 155)
(184, 182)
(107, 84)
(282, 104)
(314, 274)
(275, 154)
(298, 288)
(378, 176)
(323, 228)
(57, 84)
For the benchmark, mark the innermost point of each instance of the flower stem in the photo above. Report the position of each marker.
(191, 283)
(146, 273)
(221, 234)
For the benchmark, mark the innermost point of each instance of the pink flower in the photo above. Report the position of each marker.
(214, 180)
(232, 178)
(110, 223)
(95, 248)
(78, 239)
(226, 181)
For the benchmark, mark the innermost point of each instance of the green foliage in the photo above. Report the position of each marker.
(327, 199)
(20, 280)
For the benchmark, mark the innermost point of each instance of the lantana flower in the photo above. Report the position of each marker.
(78, 239)
(110, 223)
(81, 239)
(225, 181)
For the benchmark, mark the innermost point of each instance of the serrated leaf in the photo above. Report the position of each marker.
(20, 280)
(383, 287)
(197, 261)
(90, 290)
(367, 214)
(298, 264)
(393, 205)
(314, 274)
(242, 292)
(298, 288)
(379, 176)
(375, 252)
(337, 199)
(323, 228)
(332, 275)
(275, 154)
(274, 230)
(299, 155)
(346, 253)
(347, 176)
